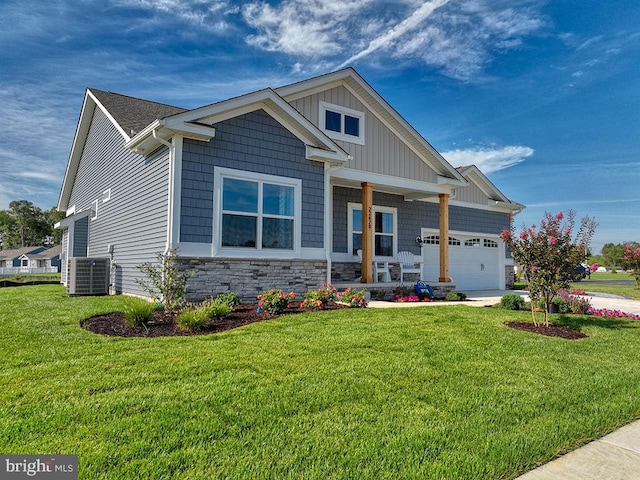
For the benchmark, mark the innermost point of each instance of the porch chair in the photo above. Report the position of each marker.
(379, 268)
(407, 263)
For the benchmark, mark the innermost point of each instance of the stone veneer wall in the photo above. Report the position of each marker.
(509, 277)
(248, 278)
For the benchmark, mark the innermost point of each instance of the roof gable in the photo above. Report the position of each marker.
(495, 197)
(132, 114)
(378, 106)
(199, 124)
(16, 252)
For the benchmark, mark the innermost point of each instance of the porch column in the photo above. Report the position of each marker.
(367, 232)
(444, 238)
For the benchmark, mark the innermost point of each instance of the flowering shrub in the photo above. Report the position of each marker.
(275, 301)
(321, 298)
(353, 298)
(632, 261)
(549, 255)
(607, 313)
(411, 298)
(575, 302)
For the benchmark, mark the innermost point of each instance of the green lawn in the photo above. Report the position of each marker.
(431, 392)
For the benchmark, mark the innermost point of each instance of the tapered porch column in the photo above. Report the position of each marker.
(444, 238)
(367, 232)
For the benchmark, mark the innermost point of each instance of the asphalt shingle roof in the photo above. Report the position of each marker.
(133, 114)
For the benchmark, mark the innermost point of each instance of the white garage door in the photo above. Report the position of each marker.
(474, 260)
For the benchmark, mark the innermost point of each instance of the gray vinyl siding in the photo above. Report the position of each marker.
(412, 217)
(383, 152)
(471, 194)
(252, 142)
(134, 219)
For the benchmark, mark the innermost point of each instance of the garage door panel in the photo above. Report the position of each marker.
(471, 267)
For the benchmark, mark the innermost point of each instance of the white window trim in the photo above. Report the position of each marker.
(106, 195)
(324, 106)
(258, 252)
(376, 208)
(94, 209)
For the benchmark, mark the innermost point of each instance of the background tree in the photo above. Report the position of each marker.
(613, 254)
(549, 254)
(26, 225)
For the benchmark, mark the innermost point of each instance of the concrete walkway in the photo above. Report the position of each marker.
(613, 457)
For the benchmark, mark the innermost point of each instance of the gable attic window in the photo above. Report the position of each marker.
(341, 123)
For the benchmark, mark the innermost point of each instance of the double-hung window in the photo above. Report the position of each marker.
(258, 212)
(384, 227)
(341, 123)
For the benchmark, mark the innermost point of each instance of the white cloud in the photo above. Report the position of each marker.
(489, 159)
(302, 27)
(456, 38)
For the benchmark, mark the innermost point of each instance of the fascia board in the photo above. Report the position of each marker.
(84, 122)
(274, 105)
(405, 184)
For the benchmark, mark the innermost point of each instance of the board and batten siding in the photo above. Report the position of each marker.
(134, 218)
(253, 142)
(471, 194)
(412, 217)
(383, 152)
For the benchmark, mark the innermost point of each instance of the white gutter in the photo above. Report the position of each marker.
(170, 187)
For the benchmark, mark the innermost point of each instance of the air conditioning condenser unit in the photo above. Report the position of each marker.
(88, 276)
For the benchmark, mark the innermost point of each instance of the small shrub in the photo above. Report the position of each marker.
(511, 301)
(215, 309)
(229, 298)
(614, 271)
(378, 295)
(166, 284)
(196, 317)
(576, 303)
(193, 318)
(353, 298)
(321, 298)
(455, 296)
(403, 291)
(138, 312)
(275, 301)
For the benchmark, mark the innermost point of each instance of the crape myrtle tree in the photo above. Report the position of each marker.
(549, 254)
(631, 260)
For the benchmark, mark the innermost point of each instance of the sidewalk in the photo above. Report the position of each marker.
(613, 457)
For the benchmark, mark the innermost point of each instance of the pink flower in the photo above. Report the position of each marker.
(553, 240)
(505, 235)
(524, 235)
(533, 268)
(560, 216)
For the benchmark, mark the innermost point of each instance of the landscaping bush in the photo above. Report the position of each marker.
(575, 302)
(196, 317)
(353, 298)
(167, 284)
(275, 301)
(512, 301)
(230, 298)
(138, 312)
(455, 296)
(193, 318)
(321, 298)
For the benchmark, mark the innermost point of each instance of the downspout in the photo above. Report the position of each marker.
(328, 217)
(170, 195)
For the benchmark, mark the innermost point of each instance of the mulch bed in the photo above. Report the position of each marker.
(550, 331)
(164, 324)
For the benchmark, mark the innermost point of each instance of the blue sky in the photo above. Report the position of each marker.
(544, 96)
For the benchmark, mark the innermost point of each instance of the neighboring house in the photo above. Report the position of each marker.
(267, 190)
(47, 259)
(18, 257)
